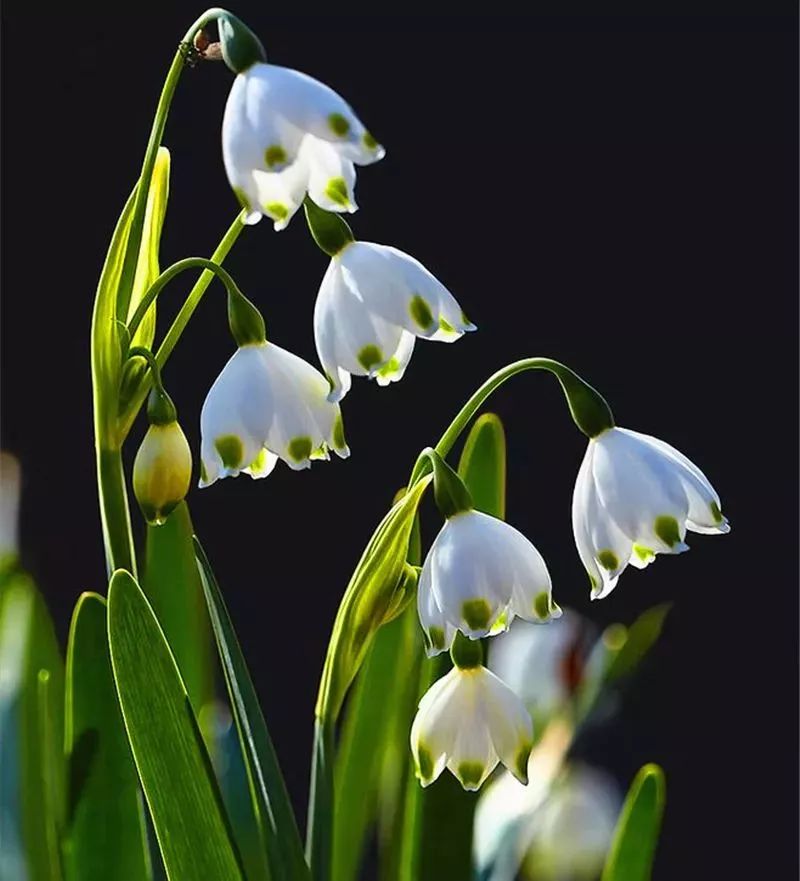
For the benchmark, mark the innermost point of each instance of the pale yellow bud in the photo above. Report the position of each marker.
(162, 471)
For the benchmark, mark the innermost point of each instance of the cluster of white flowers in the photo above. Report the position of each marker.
(288, 138)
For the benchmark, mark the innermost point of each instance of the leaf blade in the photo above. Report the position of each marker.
(167, 746)
(107, 832)
(636, 836)
(267, 787)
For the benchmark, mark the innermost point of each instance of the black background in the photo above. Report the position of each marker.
(619, 193)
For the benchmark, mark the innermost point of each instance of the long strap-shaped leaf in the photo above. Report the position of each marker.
(106, 829)
(174, 768)
(270, 798)
(636, 836)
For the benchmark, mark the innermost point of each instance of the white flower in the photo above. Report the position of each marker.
(284, 134)
(635, 497)
(542, 665)
(373, 301)
(557, 828)
(468, 721)
(267, 404)
(479, 573)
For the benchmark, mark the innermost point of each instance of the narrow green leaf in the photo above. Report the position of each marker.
(636, 836)
(437, 822)
(173, 765)
(639, 639)
(172, 585)
(147, 269)
(32, 783)
(106, 332)
(483, 465)
(362, 744)
(367, 599)
(106, 832)
(268, 791)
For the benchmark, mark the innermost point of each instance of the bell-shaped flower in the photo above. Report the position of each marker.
(468, 721)
(557, 827)
(635, 497)
(267, 404)
(479, 573)
(373, 302)
(285, 134)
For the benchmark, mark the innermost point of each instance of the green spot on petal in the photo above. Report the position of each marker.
(643, 553)
(421, 312)
(339, 442)
(521, 761)
(299, 448)
(242, 199)
(476, 614)
(608, 560)
(275, 155)
(666, 528)
(436, 637)
(338, 124)
(277, 210)
(203, 472)
(230, 449)
(424, 762)
(370, 357)
(541, 604)
(592, 581)
(369, 141)
(470, 774)
(259, 464)
(391, 367)
(337, 192)
(446, 326)
(716, 513)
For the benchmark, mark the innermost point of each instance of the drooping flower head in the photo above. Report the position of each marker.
(479, 573)
(285, 134)
(267, 404)
(373, 302)
(468, 721)
(636, 497)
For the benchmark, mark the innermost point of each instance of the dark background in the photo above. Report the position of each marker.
(619, 193)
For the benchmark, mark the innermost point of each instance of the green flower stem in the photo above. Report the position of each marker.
(128, 273)
(114, 511)
(320, 801)
(166, 277)
(172, 336)
(588, 408)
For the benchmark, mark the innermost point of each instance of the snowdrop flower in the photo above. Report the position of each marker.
(373, 302)
(635, 497)
(543, 666)
(479, 573)
(557, 827)
(285, 134)
(162, 471)
(267, 404)
(468, 721)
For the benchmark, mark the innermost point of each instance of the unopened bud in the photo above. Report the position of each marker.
(162, 471)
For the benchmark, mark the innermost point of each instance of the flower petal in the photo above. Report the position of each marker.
(509, 724)
(332, 177)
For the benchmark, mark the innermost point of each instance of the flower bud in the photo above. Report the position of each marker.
(162, 471)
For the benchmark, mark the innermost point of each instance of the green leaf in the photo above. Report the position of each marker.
(437, 823)
(483, 465)
(639, 639)
(174, 768)
(636, 836)
(106, 827)
(106, 332)
(172, 585)
(32, 784)
(367, 600)
(363, 744)
(268, 792)
(147, 269)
